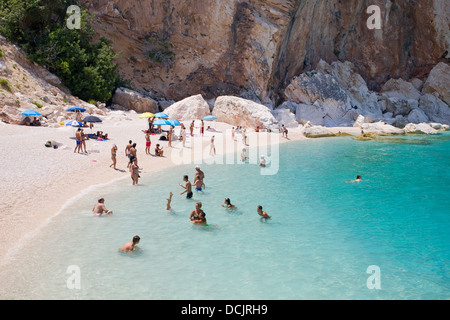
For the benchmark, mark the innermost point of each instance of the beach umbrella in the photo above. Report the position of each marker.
(161, 115)
(31, 113)
(173, 122)
(146, 115)
(74, 123)
(73, 109)
(209, 118)
(92, 119)
(161, 122)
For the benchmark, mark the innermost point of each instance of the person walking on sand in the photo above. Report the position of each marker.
(187, 188)
(183, 134)
(198, 215)
(127, 151)
(262, 213)
(148, 142)
(99, 208)
(284, 131)
(114, 156)
(133, 154)
(192, 128)
(83, 140)
(134, 170)
(212, 146)
(131, 245)
(78, 141)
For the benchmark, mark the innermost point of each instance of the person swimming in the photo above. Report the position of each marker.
(227, 204)
(262, 213)
(131, 245)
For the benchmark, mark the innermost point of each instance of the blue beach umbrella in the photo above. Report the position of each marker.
(173, 122)
(31, 113)
(73, 109)
(161, 115)
(161, 122)
(209, 118)
(74, 123)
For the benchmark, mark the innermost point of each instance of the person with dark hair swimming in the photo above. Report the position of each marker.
(227, 204)
(130, 246)
(262, 213)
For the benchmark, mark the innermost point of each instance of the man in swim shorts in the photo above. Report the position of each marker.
(188, 187)
(198, 183)
(78, 140)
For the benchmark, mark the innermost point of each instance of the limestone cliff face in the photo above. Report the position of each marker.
(255, 47)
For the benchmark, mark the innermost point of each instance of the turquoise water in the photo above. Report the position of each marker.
(324, 234)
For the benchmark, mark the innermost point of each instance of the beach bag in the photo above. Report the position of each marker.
(48, 144)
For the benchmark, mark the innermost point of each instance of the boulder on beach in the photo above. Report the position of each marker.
(191, 108)
(318, 132)
(421, 128)
(381, 129)
(242, 112)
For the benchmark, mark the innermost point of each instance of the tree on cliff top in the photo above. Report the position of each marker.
(85, 66)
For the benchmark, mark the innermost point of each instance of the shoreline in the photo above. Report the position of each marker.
(48, 180)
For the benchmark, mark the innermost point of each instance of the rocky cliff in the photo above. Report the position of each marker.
(255, 48)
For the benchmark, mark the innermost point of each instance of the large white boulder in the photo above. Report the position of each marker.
(190, 108)
(237, 111)
(318, 132)
(420, 128)
(381, 129)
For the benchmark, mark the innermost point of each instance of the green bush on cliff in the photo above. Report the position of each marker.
(85, 66)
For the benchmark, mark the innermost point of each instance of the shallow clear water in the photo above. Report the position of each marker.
(324, 233)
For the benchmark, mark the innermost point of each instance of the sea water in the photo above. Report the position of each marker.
(386, 237)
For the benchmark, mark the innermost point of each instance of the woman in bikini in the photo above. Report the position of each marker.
(113, 157)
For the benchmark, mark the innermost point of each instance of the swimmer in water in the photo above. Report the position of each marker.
(227, 204)
(262, 213)
(99, 208)
(130, 246)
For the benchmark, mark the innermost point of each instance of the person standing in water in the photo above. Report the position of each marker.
(188, 187)
(198, 215)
